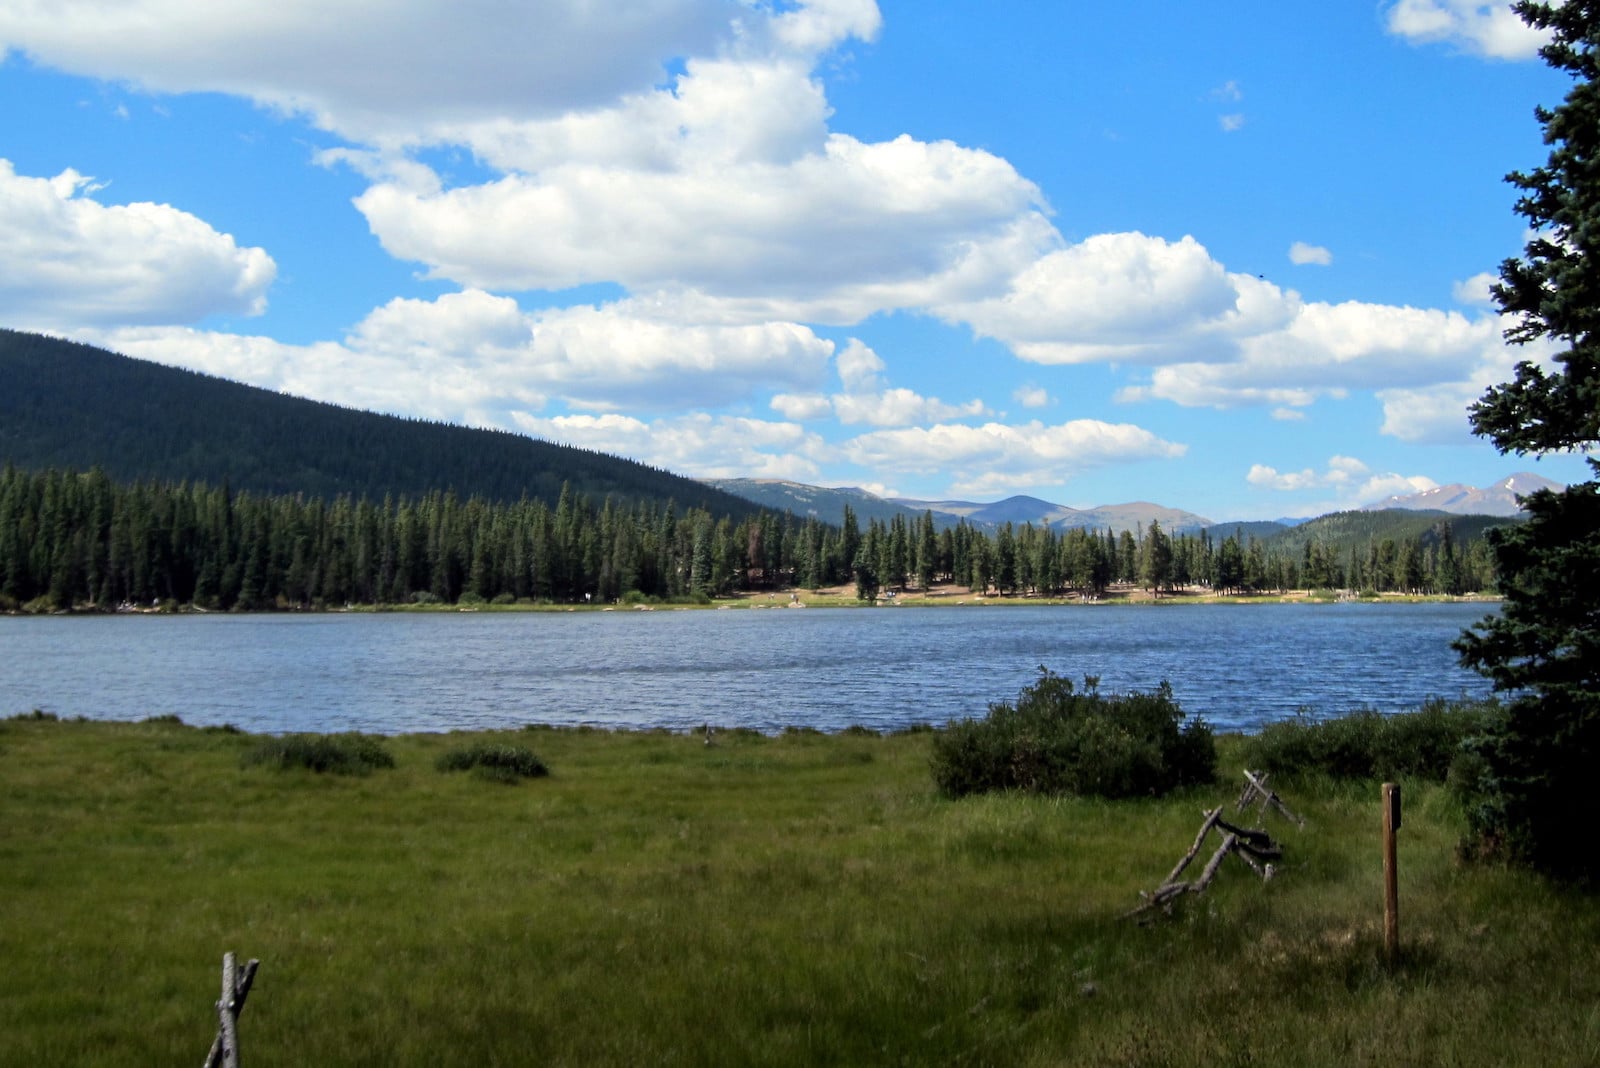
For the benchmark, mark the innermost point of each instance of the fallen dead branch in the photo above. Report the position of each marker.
(1256, 791)
(1252, 845)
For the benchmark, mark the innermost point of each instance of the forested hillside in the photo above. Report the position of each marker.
(1339, 532)
(70, 406)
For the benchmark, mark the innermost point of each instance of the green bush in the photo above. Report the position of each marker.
(336, 754)
(1370, 745)
(499, 763)
(1059, 740)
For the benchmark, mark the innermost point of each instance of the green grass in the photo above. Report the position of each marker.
(799, 899)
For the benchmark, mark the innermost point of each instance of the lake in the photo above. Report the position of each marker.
(1237, 665)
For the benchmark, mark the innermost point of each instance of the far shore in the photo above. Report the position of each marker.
(938, 596)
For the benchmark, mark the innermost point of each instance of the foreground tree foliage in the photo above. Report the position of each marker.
(1057, 739)
(1533, 786)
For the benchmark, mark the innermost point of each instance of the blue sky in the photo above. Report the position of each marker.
(1230, 259)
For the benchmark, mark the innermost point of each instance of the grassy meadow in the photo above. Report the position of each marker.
(800, 899)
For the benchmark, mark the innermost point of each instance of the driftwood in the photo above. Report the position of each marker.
(236, 985)
(1253, 846)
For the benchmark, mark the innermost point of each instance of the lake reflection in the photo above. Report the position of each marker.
(1237, 665)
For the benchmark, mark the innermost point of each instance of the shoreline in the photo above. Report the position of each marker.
(833, 598)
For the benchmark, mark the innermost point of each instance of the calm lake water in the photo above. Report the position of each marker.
(1238, 666)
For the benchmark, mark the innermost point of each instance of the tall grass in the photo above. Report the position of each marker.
(787, 900)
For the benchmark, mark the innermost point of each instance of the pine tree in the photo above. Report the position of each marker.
(1156, 569)
(1229, 565)
(1543, 649)
(927, 551)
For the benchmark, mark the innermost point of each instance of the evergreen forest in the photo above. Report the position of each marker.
(74, 539)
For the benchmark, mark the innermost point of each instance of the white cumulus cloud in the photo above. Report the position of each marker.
(382, 71)
(999, 455)
(699, 445)
(833, 235)
(67, 260)
(477, 358)
(1301, 253)
(1032, 397)
(1475, 291)
(1420, 363)
(866, 397)
(677, 148)
(1341, 471)
(1346, 483)
(1487, 29)
(1125, 297)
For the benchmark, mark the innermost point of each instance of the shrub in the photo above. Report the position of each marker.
(336, 754)
(1060, 740)
(1369, 744)
(498, 763)
(38, 715)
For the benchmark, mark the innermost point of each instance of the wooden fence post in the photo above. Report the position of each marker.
(1391, 873)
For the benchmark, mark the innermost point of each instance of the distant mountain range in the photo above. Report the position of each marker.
(828, 506)
(1499, 499)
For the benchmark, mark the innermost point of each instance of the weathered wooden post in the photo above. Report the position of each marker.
(227, 1022)
(1391, 873)
(236, 983)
